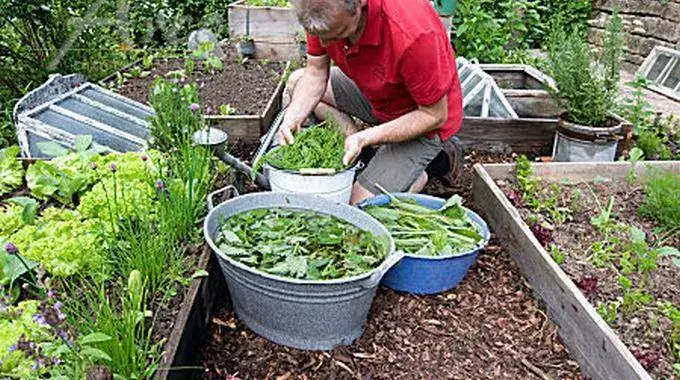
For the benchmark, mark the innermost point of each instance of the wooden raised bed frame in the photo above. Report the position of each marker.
(275, 30)
(247, 128)
(591, 341)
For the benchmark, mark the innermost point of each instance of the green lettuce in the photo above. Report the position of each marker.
(63, 242)
(11, 170)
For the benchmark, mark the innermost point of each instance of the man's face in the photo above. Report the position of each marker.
(342, 25)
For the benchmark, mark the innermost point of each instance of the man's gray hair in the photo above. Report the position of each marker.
(315, 15)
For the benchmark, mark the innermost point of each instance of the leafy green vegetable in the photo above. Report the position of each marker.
(63, 242)
(47, 181)
(11, 170)
(422, 231)
(318, 147)
(300, 244)
(11, 219)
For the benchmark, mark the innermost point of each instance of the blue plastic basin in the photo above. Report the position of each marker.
(429, 274)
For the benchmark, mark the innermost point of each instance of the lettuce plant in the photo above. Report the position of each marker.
(62, 242)
(11, 170)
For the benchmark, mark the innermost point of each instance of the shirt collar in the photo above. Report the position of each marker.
(371, 34)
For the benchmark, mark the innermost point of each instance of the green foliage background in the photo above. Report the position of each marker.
(93, 37)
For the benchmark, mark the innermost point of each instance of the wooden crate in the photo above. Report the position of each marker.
(497, 135)
(275, 30)
(526, 88)
(590, 340)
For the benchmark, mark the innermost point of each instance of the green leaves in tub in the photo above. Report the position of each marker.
(300, 244)
(422, 231)
(318, 147)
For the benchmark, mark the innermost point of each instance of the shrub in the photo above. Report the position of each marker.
(492, 31)
(587, 88)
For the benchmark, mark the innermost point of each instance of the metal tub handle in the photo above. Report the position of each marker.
(389, 262)
(234, 193)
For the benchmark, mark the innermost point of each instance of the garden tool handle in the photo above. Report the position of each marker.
(222, 190)
(269, 137)
(380, 272)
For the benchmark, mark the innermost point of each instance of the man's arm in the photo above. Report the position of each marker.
(407, 127)
(306, 95)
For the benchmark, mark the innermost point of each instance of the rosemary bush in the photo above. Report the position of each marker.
(587, 87)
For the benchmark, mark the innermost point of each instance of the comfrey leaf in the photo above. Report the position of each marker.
(295, 266)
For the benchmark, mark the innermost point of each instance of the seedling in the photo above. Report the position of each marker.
(189, 66)
(147, 62)
(609, 311)
(558, 256)
(636, 154)
(227, 109)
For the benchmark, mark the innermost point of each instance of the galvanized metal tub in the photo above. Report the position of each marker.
(336, 187)
(304, 314)
(582, 143)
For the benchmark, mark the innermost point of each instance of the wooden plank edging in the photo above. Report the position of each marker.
(590, 340)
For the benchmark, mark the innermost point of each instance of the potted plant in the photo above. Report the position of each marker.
(587, 86)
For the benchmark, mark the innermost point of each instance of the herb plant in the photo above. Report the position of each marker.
(300, 244)
(422, 231)
(586, 88)
(176, 116)
(318, 147)
(662, 202)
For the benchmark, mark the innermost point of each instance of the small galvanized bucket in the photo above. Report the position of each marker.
(304, 314)
(336, 187)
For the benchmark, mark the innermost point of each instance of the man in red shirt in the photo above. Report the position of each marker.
(395, 69)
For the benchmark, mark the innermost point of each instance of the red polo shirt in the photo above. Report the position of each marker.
(403, 59)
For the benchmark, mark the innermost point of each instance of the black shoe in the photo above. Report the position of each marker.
(448, 165)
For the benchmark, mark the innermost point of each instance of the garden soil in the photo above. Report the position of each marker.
(490, 326)
(245, 86)
(643, 332)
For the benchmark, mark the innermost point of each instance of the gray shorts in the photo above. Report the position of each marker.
(396, 166)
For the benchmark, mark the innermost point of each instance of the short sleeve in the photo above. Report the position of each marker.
(428, 68)
(314, 46)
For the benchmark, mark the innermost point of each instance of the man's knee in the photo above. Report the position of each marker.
(293, 80)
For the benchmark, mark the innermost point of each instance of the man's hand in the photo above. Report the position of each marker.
(286, 131)
(353, 145)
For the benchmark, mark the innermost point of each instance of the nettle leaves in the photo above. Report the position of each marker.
(300, 244)
(423, 231)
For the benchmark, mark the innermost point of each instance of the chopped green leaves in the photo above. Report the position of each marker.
(300, 244)
(319, 147)
(422, 231)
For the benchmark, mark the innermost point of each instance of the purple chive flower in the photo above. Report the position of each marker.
(58, 305)
(56, 360)
(39, 319)
(194, 107)
(159, 184)
(93, 165)
(12, 348)
(11, 248)
(52, 293)
(61, 316)
(36, 366)
(112, 167)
